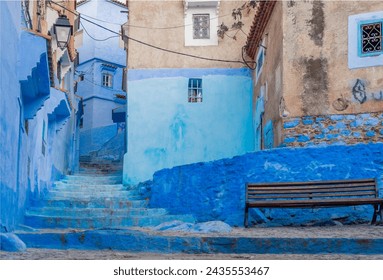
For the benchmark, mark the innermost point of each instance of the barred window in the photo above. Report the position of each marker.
(195, 90)
(370, 38)
(201, 26)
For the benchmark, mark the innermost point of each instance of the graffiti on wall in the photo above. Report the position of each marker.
(360, 94)
(340, 104)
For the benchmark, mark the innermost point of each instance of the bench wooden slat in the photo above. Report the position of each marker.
(305, 190)
(321, 195)
(265, 187)
(309, 203)
(315, 183)
(334, 186)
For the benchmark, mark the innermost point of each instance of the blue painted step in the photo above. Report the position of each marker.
(62, 186)
(86, 195)
(87, 179)
(95, 212)
(139, 241)
(105, 221)
(90, 203)
(95, 201)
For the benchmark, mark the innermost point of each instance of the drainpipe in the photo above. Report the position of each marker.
(126, 44)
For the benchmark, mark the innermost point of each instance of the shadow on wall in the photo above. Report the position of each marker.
(216, 190)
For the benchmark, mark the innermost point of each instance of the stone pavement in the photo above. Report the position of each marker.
(330, 242)
(46, 254)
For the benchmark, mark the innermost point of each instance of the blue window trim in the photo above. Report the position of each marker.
(260, 61)
(360, 23)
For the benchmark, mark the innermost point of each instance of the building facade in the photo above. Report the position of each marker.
(102, 77)
(189, 91)
(318, 72)
(40, 112)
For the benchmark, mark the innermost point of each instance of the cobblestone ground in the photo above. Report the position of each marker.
(357, 231)
(42, 254)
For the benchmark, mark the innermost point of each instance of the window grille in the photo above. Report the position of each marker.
(201, 26)
(371, 38)
(195, 90)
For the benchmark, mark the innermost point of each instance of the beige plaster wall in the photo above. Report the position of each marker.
(157, 16)
(272, 72)
(316, 77)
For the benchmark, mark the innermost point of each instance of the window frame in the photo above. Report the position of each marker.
(109, 83)
(212, 11)
(356, 61)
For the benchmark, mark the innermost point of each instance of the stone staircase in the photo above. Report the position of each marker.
(94, 211)
(86, 202)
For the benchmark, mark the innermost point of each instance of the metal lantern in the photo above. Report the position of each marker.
(62, 30)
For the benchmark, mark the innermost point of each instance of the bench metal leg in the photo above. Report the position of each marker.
(381, 213)
(376, 211)
(246, 222)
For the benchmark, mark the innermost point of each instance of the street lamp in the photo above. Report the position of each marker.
(63, 30)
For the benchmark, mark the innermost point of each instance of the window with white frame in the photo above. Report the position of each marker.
(195, 90)
(107, 80)
(365, 36)
(201, 22)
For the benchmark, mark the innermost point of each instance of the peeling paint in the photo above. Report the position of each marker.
(315, 96)
(317, 23)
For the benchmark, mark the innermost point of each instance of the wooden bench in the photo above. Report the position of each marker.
(314, 194)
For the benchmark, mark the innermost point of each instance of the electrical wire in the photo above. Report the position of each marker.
(247, 62)
(95, 39)
(150, 27)
(243, 62)
(99, 85)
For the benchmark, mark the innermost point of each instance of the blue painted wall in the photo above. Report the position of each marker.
(216, 190)
(96, 57)
(10, 110)
(108, 15)
(165, 130)
(99, 101)
(93, 139)
(37, 152)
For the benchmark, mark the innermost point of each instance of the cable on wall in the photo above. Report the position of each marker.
(243, 62)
